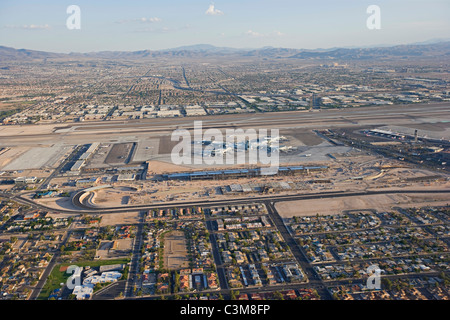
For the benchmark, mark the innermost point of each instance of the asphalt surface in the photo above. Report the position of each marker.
(216, 254)
(135, 258)
(278, 198)
(321, 195)
(395, 115)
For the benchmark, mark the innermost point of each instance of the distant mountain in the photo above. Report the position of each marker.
(203, 48)
(7, 53)
(432, 41)
(432, 49)
(400, 51)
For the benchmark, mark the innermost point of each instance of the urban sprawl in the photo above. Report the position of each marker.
(93, 207)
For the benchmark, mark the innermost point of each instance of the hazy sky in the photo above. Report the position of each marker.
(155, 24)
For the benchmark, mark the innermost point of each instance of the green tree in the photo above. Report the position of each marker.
(278, 295)
(386, 283)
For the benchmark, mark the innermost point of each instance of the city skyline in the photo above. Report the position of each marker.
(120, 26)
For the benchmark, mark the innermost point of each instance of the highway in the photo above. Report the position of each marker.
(276, 198)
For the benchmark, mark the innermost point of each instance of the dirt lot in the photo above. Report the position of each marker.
(160, 167)
(112, 197)
(380, 203)
(107, 250)
(119, 218)
(175, 253)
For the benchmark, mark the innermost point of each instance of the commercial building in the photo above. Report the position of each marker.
(25, 180)
(126, 177)
(293, 272)
(168, 113)
(239, 173)
(195, 111)
(111, 267)
(78, 165)
(87, 182)
(109, 276)
(84, 157)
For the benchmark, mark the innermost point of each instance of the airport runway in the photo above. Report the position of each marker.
(78, 133)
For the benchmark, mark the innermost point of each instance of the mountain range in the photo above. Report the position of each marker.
(431, 49)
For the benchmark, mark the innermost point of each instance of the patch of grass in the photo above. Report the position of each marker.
(53, 282)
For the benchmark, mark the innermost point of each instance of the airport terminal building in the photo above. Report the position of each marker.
(240, 173)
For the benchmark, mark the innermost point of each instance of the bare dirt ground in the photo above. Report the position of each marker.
(160, 167)
(175, 253)
(106, 249)
(380, 203)
(119, 218)
(57, 203)
(112, 197)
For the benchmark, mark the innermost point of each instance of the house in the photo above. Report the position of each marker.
(212, 281)
(162, 287)
(240, 257)
(242, 296)
(226, 256)
(185, 282)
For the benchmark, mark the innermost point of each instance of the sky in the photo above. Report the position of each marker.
(113, 25)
